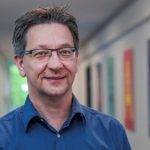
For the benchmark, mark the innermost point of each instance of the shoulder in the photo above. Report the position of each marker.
(8, 123)
(106, 121)
(11, 115)
(107, 127)
(10, 118)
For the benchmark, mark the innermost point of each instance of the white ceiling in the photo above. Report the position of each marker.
(90, 15)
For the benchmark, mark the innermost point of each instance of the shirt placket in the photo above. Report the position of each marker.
(60, 144)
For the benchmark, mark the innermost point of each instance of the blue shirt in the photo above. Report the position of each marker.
(85, 129)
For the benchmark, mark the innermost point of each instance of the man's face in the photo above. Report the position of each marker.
(54, 77)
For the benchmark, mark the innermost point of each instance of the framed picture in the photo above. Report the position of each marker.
(89, 86)
(99, 86)
(111, 86)
(149, 85)
(128, 89)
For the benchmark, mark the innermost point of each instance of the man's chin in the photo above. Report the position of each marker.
(56, 92)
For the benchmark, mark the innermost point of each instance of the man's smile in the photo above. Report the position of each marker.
(55, 79)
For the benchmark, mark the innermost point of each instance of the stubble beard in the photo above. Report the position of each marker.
(57, 91)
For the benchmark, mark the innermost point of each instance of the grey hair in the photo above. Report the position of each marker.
(41, 15)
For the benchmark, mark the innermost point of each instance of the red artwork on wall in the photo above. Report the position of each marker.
(128, 90)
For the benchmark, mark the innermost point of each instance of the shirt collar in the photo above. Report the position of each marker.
(29, 112)
(77, 108)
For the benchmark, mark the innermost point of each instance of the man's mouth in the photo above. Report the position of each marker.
(55, 77)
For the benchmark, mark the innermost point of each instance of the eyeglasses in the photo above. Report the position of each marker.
(43, 55)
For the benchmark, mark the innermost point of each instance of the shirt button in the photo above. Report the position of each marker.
(42, 120)
(58, 135)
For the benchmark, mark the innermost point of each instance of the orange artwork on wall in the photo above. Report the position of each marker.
(128, 90)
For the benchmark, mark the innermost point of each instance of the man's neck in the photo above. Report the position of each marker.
(54, 110)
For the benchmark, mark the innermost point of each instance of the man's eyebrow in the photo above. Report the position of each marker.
(48, 47)
(65, 45)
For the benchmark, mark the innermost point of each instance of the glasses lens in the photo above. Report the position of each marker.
(66, 53)
(41, 54)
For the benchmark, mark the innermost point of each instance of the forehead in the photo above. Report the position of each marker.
(49, 33)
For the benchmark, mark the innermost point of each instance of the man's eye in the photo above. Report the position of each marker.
(65, 52)
(40, 54)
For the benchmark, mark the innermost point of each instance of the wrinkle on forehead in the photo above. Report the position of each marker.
(50, 35)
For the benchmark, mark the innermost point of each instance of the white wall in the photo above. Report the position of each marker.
(131, 29)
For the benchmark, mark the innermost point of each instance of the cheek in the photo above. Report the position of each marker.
(34, 70)
(71, 67)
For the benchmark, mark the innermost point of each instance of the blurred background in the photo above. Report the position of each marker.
(114, 65)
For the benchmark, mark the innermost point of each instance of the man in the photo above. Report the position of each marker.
(46, 47)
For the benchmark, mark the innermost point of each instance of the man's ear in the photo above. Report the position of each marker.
(19, 62)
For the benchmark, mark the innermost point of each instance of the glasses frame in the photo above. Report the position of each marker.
(73, 49)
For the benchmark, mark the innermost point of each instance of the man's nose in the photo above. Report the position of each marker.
(54, 61)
